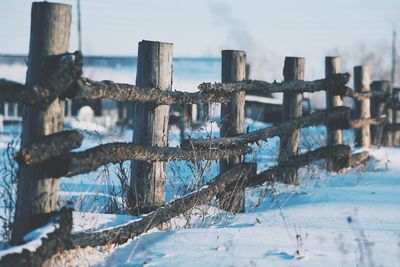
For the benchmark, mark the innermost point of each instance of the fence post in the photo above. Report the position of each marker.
(378, 106)
(37, 197)
(334, 137)
(292, 107)
(395, 116)
(232, 121)
(362, 85)
(150, 125)
(388, 136)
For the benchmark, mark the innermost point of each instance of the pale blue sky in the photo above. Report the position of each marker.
(266, 29)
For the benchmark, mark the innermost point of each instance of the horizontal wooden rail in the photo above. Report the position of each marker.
(121, 234)
(341, 154)
(346, 91)
(359, 123)
(88, 89)
(340, 115)
(43, 94)
(337, 81)
(49, 146)
(74, 163)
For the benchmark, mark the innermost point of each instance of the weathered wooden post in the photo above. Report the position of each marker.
(37, 197)
(362, 85)
(334, 136)
(387, 139)
(378, 109)
(232, 121)
(150, 125)
(396, 116)
(291, 108)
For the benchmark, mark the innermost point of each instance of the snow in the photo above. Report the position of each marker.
(89, 221)
(263, 100)
(33, 239)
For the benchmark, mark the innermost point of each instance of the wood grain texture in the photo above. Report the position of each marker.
(50, 25)
(150, 124)
(232, 120)
(378, 110)
(291, 108)
(334, 136)
(362, 82)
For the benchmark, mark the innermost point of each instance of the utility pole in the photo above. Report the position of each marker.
(392, 78)
(78, 4)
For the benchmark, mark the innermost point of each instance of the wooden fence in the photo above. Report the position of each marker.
(54, 74)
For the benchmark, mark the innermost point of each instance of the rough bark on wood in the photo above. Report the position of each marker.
(89, 160)
(378, 110)
(360, 123)
(49, 38)
(292, 107)
(388, 131)
(337, 82)
(341, 153)
(232, 120)
(89, 89)
(49, 146)
(150, 125)
(42, 93)
(395, 109)
(359, 96)
(334, 136)
(362, 85)
(339, 115)
(119, 235)
(56, 241)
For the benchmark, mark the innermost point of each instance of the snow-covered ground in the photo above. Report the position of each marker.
(350, 219)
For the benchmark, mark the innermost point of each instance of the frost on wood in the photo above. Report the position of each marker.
(74, 163)
(338, 116)
(49, 146)
(43, 94)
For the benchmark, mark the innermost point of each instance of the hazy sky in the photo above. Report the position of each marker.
(267, 30)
